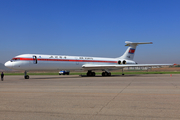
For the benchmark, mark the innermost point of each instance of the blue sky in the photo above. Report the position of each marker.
(91, 28)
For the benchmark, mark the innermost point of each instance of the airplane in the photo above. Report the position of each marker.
(29, 62)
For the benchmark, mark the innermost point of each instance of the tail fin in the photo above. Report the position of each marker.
(129, 54)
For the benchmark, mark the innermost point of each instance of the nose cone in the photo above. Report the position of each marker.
(9, 64)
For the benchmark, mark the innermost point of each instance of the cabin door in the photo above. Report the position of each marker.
(35, 59)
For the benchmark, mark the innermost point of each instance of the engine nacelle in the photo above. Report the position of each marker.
(124, 62)
(119, 62)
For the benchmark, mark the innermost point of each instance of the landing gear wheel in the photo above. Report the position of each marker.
(93, 73)
(26, 77)
(103, 73)
(106, 74)
(109, 74)
(89, 73)
(123, 74)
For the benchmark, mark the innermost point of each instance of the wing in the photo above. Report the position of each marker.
(101, 67)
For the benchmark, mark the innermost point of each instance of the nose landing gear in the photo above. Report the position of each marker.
(25, 75)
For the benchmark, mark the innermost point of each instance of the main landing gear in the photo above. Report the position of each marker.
(25, 75)
(90, 73)
(106, 73)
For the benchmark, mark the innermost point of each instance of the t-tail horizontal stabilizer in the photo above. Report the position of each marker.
(128, 43)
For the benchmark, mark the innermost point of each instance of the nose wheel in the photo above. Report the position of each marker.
(25, 75)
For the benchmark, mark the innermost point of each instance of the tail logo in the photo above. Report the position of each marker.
(131, 51)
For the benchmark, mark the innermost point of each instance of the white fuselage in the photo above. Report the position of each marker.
(30, 62)
(59, 62)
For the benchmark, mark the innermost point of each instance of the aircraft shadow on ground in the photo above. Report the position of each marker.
(109, 76)
(81, 76)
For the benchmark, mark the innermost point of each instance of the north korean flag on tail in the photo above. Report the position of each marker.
(131, 51)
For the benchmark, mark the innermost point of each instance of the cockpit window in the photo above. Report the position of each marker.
(15, 59)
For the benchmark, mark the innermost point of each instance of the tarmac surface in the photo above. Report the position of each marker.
(129, 97)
